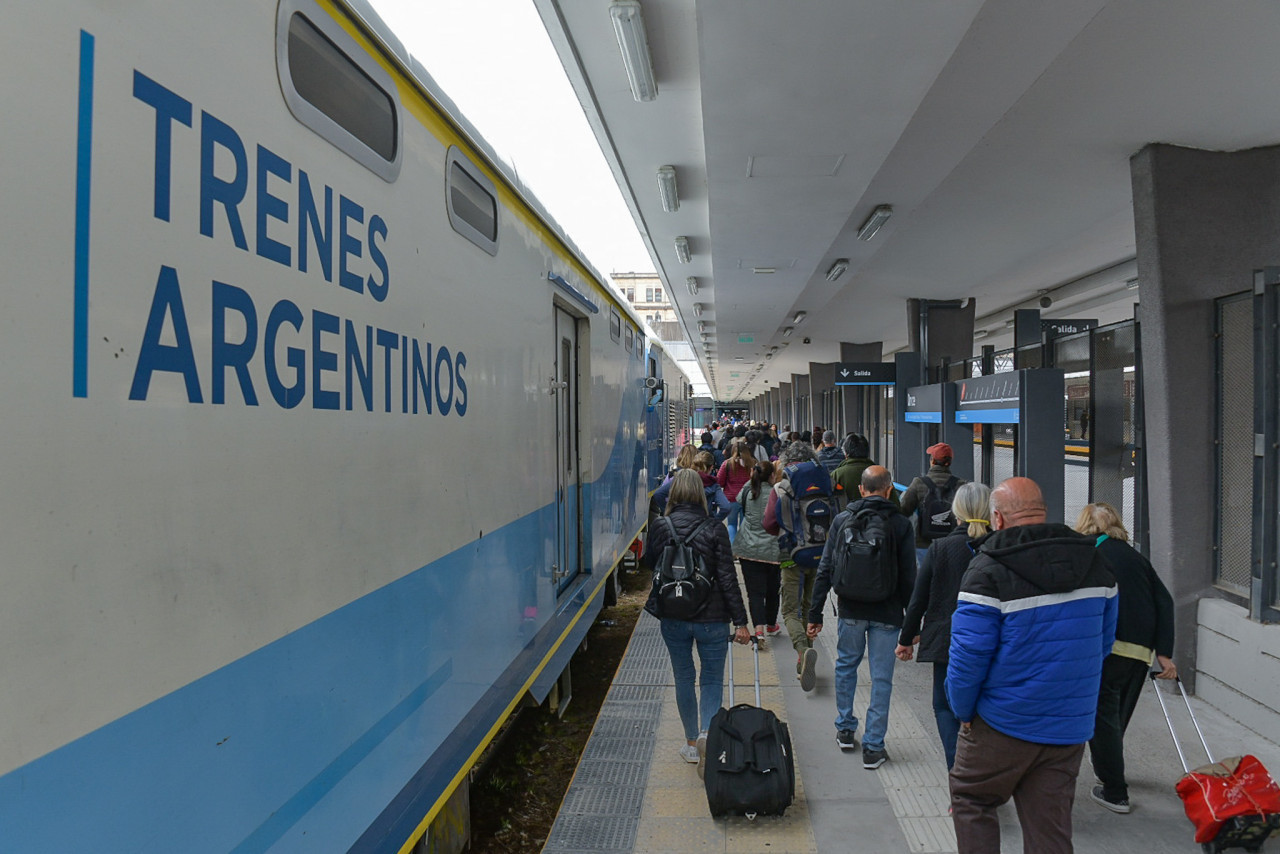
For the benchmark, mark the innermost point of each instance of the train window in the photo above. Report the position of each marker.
(615, 325)
(639, 346)
(472, 201)
(335, 88)
(630, 338)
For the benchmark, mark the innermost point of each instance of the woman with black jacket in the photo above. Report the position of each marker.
(1144, 634)
(934, 601)
(709, 630)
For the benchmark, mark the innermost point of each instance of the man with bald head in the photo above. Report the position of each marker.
(1036, 616)
(870, 618)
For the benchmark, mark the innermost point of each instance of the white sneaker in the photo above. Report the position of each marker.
(701, 747)
(689, 753)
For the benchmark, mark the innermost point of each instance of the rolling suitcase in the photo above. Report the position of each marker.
(749, 767)
(1233, 802)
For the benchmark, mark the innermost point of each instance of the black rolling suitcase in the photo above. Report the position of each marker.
(749, 767)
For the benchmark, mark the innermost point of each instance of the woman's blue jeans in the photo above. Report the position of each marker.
(712, 640)
(948, 723)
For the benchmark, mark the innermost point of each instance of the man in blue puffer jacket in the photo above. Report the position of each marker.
(1036, 617)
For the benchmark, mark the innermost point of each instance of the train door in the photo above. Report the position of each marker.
(568, 474)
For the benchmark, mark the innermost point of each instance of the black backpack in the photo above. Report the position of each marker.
(936, 519)
(865, 563)
(681, 580)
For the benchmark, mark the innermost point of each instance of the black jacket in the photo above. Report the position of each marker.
(889, 611)
(713, 541)
(934, 597)
(1146, 608)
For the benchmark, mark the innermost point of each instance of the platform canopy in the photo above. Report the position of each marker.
(998, 132)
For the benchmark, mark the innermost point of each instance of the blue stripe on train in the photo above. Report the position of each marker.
(412, 671)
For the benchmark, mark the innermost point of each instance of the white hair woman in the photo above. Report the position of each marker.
(1144, 633)
(934, 601)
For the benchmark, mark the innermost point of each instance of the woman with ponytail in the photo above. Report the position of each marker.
(934, 600)
(757, 550)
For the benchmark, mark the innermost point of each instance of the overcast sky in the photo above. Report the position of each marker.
(494, 59)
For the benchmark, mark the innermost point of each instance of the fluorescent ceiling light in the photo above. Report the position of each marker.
(702, 326)
(787, 332)
(697, 309)
(628, 26)
(799, 318)
(764, 270)
(837, 269)
(878, 217)
(682, 250)
(667, 189)
(692, 282)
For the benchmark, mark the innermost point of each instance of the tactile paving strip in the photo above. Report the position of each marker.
(602, 807)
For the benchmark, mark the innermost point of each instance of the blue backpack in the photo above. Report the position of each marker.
(806, 508)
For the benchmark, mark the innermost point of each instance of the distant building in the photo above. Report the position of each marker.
(647, 295)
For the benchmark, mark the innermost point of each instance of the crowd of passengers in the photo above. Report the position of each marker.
(1014, 704)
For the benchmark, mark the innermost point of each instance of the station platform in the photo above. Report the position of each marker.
(633, 793)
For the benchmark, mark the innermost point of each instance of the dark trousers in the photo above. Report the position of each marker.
(948, 723)
(763, 582)
(1122, 680)
(992, 767)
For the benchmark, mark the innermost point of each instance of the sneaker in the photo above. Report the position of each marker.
(808, 669)
(1121, 806)
(846, 739)
(759, 636)
(873, 758)
(773, 630)
(701, 747)
(689, 753)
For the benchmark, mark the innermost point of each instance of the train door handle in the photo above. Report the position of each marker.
(555, 385)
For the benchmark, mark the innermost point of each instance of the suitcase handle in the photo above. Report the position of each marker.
(755, 645)
(1186, 768)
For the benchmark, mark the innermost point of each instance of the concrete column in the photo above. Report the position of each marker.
(786, 409)
(859, 400)
(948, 330)
(803, 412)
(1204, 221)
(822, 390)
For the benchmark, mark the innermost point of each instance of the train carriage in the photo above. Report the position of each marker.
(321, 440)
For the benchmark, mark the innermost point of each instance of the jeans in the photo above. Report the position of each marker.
(713, 643)
(948, 723)
(878, 640)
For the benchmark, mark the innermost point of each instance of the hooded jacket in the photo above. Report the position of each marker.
(1036, 616)
(712, 541)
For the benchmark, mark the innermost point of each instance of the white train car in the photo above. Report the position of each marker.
(321, 442)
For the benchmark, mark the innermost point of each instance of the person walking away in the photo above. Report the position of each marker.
(934, 601)
(1144, 634)
(757, 551)
(1025, 695)
(685, 519)
(734, 474)
(718, 504)
(658, 501)
(847, 476)
(870, 596)
(709, 445)
(797, 579)
(929, 497)
(829, 455)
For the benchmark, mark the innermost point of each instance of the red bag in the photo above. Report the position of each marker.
(1214, 794)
